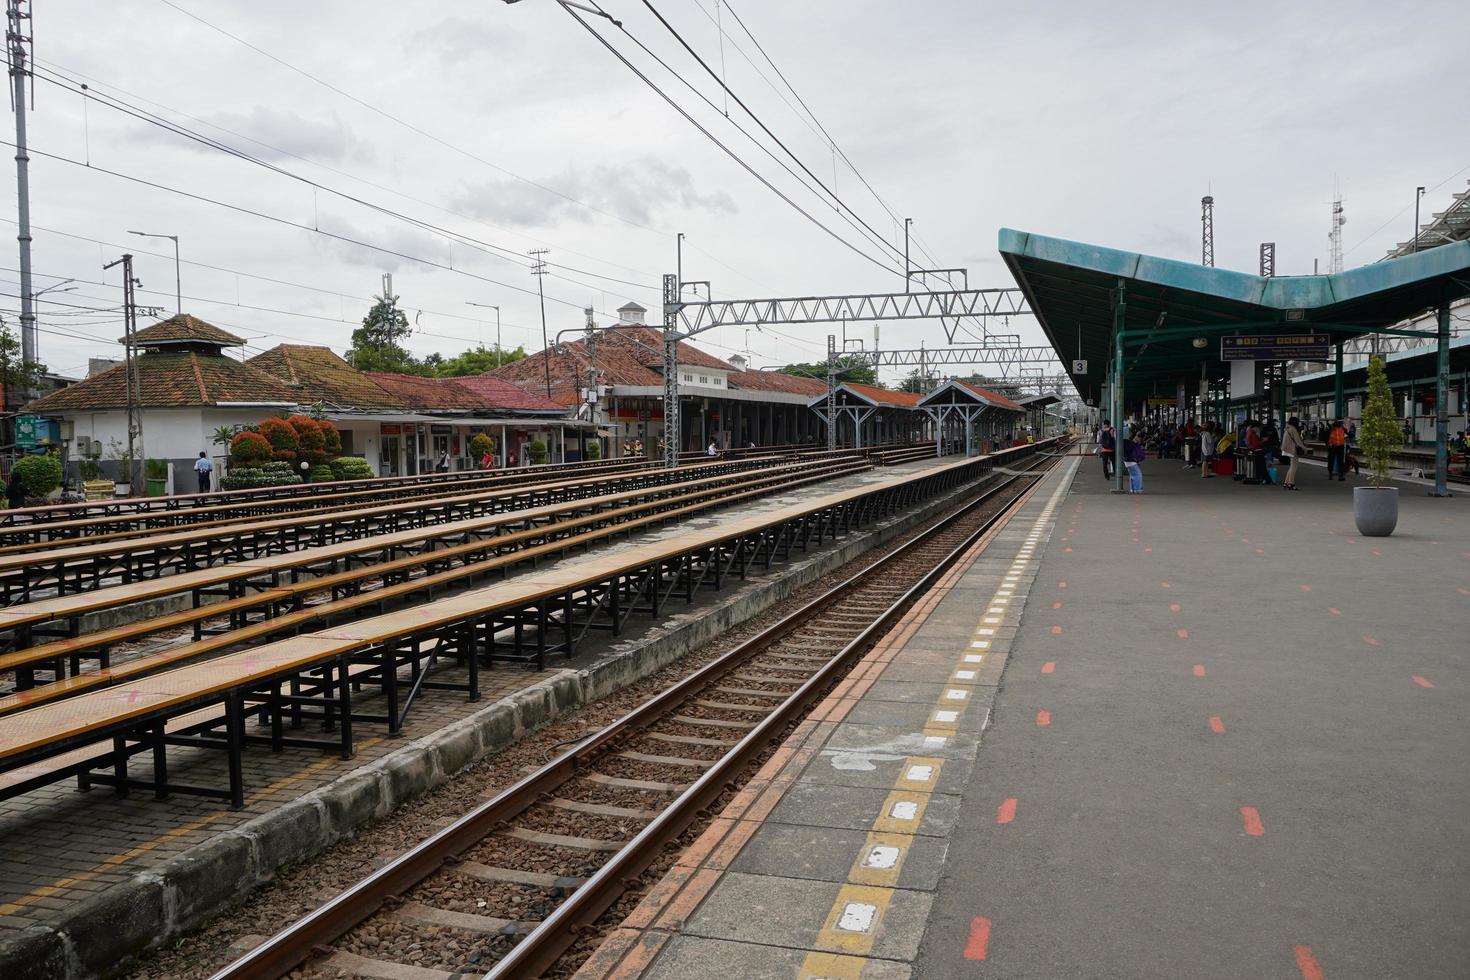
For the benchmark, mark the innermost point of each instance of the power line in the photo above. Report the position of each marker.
(759, 122)
(404, 123)
(715, 139)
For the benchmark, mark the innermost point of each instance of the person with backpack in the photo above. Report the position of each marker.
(1134, 454)
(1336, 450)
(1106, 443)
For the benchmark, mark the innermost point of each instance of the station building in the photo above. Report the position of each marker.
(616, 382)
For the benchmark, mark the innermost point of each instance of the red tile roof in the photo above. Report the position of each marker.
(183, 328)
(418, 392)
(625, 356)
(994, 397)
(509, 397)
(317, 374)
(790, 384)
(883, 396)
(171, 380)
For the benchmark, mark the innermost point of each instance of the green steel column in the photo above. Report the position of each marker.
(1442, 406)
(1281, 398)
(1119, 320)
(1339, 407)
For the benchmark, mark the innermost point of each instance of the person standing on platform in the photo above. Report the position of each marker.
(15, 490)
(1207, 451)
(1292, 446)
(1133, 455)
(1336, 450)
(713, 449)
(202, 469)
(1106, 443)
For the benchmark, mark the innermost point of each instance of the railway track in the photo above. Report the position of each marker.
(510, 886)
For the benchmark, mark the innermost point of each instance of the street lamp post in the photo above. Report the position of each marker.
(491, 306)
(1418, 195)
(178, 282)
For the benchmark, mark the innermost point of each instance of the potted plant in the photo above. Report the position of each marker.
(1376, 506)
(538, 452)
(156, 472)
(123, 485)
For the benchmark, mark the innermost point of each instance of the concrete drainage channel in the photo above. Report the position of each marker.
(99, 936)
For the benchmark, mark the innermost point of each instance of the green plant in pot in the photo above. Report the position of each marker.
(155, 471)
(538, 452)
(1376, 506)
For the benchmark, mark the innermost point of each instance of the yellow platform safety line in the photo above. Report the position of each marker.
(851, 927)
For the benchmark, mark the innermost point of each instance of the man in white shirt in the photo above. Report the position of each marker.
(202, 468)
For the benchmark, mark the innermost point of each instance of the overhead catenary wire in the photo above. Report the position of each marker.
(716, 140)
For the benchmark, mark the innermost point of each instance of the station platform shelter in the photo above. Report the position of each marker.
(1132, 327)
(1207, 732)
(867, 415)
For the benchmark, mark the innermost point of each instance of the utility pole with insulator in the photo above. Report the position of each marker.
(538, 269)
(831, 393)
(1207, 234)
(16, 39)
(132, 380)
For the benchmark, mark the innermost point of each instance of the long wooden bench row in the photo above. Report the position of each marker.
(314, 675)
(489, 545)
(90, 565)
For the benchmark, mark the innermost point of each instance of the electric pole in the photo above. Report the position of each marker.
(16, 40)
(538, 269)
(1207, 230)
(831, 393)
(589, 398)
(133, 380)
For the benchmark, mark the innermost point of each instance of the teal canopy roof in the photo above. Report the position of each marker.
(1069, 286)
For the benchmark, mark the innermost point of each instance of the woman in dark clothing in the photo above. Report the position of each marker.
(15, 490)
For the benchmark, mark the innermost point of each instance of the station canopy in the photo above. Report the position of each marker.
(1170, 305)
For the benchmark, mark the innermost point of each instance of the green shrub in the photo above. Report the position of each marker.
(258, 476)
(39, 474)
(538, 452)
(321, 473)
(351, 468)
(480, 444)
(594, 450)
(155, 469)
(279, 433)
(89, 468)
(1379, 436)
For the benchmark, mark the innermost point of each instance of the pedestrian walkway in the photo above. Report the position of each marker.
(1223, 736)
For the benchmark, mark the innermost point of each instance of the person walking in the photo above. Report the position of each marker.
(713, 450)
(1106, 443)
(1336, 450)
(443, 465)
(202, 469)
(1292, 446)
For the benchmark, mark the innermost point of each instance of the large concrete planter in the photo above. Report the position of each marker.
(1375, 510)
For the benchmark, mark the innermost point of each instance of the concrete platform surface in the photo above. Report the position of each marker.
(1213, 732)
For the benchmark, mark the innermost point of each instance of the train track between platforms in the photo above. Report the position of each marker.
(510, 887)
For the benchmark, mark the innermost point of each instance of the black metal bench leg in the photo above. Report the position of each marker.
(160, 763)
(120, 765)
(235, 746)
(344, 703)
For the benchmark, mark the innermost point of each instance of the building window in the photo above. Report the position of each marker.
(703, 380)
(688, 377)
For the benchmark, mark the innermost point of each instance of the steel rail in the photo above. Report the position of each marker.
(544, 945)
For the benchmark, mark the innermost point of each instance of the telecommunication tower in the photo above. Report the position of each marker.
(1334, 237)
(1207, 222)
(1268, 259)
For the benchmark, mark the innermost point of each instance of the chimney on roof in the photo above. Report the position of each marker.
(738, 361)
(631, 315)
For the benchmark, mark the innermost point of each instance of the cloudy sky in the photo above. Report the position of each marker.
(446, 139)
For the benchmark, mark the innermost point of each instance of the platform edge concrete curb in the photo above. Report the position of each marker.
(99, 936)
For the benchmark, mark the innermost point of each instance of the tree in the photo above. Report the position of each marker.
(378, 344)
(914, 383)
(477, 360)
(849, 368)
(1379, 436)
(16, 374)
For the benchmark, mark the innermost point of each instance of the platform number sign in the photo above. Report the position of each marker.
(1079, 366)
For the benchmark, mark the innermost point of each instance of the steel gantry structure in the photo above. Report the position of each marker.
(684, 319)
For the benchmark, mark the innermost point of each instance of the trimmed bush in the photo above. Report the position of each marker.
(311, 443)
(538, 452)
(155, 469)
(331, 438)
(594, 450)
(280, 434)
(480, 444)
(39, 474)
(351, 468)
(249, 448)
(254, 476)
(321, 473)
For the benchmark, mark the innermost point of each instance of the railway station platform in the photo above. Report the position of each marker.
(74, 856)
(1208, 731)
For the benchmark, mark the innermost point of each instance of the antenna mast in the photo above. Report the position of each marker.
(1207, 223)
(16, 40)
(1334, 261)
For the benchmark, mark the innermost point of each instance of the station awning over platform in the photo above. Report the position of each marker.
(1170, 305)
(957, 392)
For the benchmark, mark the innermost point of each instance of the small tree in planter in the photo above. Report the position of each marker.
(537, 451)
(1376, 507)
